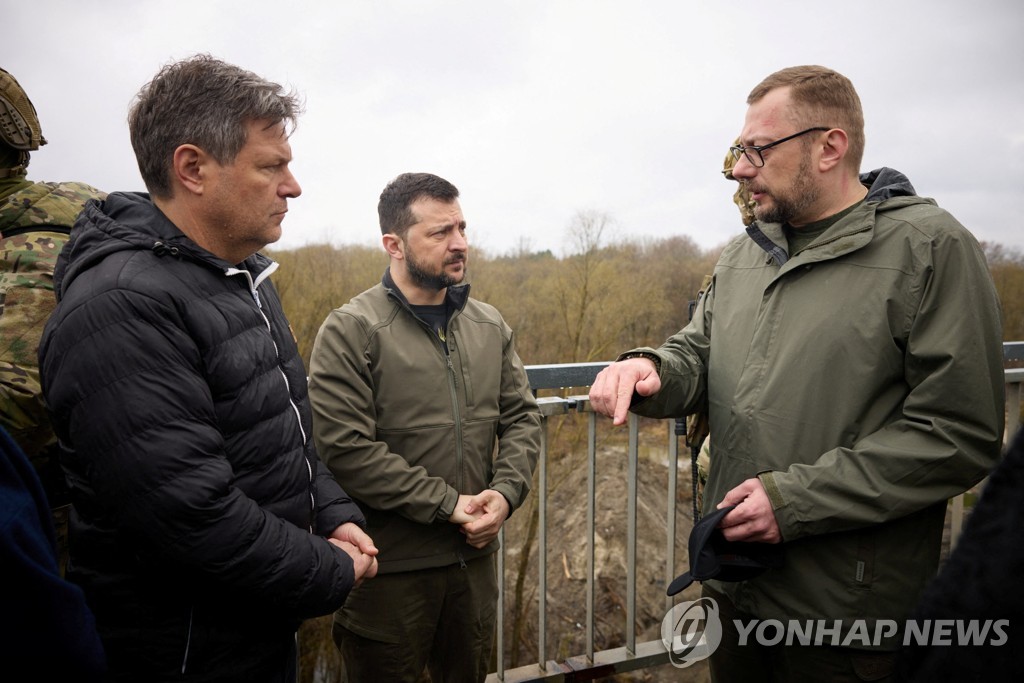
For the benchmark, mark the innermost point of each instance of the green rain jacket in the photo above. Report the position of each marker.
(862, 382)
(409, 422)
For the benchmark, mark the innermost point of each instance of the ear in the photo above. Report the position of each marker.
(190, 167)
(393, 245)
(833, 149)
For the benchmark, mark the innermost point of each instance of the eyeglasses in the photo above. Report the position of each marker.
(753, 152)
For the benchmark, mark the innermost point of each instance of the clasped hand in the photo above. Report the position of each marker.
(354, 541)
(480, 517)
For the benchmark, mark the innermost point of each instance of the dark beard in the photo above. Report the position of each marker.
(802, 195)
(435, 281)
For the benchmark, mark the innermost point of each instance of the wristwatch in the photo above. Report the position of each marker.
(643, 354)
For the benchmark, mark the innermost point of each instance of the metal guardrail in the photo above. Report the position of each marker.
(593, 664)
(1013, 351)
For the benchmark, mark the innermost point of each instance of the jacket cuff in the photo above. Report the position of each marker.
(772, 489)
(447, 506)
(508, 493)
(653, 357)
(781, 509)
(335, 515)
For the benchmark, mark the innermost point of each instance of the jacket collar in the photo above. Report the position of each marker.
(130, 221)
(851, 233)
(455, 297)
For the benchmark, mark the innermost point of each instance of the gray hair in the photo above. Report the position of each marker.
(205, 102)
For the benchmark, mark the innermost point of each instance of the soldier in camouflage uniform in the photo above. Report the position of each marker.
(35, 219)
(742, 196)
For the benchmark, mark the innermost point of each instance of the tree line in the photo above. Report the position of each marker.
(607, 294)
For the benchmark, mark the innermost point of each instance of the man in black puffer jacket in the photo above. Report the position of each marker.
(205, 527)
(978, 588)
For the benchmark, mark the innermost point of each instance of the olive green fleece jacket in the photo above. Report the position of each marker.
(862, 382)
(408, 426)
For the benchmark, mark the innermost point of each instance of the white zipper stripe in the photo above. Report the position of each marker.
(295, 409)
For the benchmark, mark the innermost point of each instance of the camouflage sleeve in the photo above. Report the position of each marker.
(33, 229)
(26, 302)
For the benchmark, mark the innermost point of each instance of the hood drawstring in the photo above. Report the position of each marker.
(161, 249)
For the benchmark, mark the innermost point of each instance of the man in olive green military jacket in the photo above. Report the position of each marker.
(421, 406)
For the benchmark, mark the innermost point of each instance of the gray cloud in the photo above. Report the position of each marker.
(537, 110)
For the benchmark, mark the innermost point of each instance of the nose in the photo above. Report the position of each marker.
(290, 186)
(743, 168)
(458, 241)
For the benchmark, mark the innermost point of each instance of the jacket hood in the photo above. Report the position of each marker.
(887, 189)
(128, 221)
(886, 183)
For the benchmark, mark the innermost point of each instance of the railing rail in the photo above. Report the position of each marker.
(1012, 351)
(592, 664)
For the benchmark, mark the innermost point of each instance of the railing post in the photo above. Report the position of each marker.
(631, 476)
(542, 549)
(591, 528)
(500, 622)
(956, 521)
(1014, 388)
(670, 508)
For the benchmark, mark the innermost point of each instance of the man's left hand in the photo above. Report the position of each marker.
(753, 519)
(485, 528)
(357, 543)
(354, 534)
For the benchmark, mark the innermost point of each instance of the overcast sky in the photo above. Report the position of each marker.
(538, 110)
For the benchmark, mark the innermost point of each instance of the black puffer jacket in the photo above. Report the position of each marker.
(176, 388)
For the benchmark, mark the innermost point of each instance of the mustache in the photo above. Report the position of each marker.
(457, 258)
(754, 189)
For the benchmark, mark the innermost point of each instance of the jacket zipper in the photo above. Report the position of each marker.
(453, 391)
(453, 386)
(453, 383)
(295, 409)
(188, 640)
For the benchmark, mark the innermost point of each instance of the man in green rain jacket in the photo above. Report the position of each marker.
(849, 351)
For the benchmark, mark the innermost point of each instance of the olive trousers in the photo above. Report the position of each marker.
(395, 626)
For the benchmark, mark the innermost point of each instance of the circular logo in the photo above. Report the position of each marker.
(691, 631)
